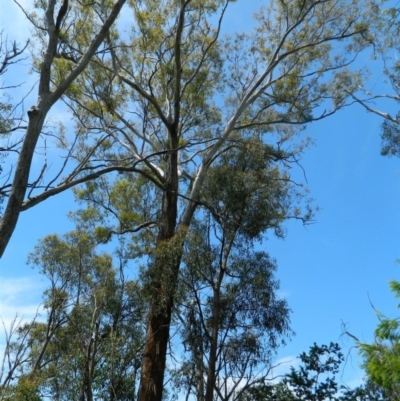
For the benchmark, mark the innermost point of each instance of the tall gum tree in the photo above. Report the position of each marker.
(171, 97)
(87, 344)
(168, 98)
(231, 318)
(50, 29)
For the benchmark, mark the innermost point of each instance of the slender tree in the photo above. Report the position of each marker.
(89, 345)
(232, 320)
(50, 29)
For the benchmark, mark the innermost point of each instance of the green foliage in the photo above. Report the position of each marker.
(314, 380)
(248, 191)
(227, 294)
(27, 389)
(90, 342)
(382, 357)
(237, 304)
(201, 132)
(306, 382)
(117, 207)
(390, 136)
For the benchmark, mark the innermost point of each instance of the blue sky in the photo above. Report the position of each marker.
(330, 271)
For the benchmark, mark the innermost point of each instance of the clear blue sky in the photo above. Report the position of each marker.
(329, 271)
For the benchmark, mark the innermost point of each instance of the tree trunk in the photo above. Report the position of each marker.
(37, 114)
(212, 359)
(214, 342)
(166, 269)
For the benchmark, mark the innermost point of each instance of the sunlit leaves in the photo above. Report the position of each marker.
(91, 338)
(382, 357)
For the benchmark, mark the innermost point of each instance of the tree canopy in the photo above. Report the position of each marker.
(174, 83)
(181, 153)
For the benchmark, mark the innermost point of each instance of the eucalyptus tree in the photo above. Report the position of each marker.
(171, 96)
(231, 326)
(164, 98)
(230, 317)
(89, 345)
(51, 26)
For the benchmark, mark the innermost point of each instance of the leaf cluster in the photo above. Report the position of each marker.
(314, 380)
(382, 357)
(90, 340)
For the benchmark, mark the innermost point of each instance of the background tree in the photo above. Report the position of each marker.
(231, 319)
(89, 347)
(382, 357)
(50, 90)
(314, 380)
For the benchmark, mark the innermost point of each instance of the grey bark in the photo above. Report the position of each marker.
(37, 114)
